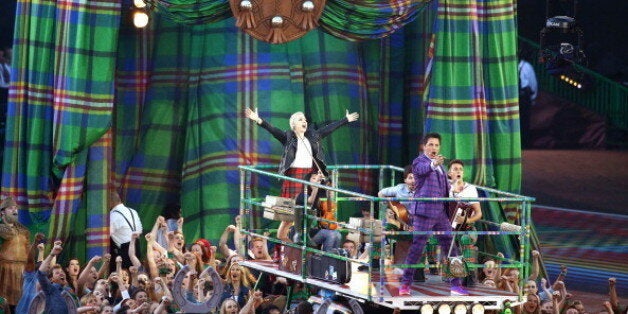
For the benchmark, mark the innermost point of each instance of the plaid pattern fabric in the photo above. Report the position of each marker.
(293, 189)
(472, 99)
(60, 103)
(177, 127)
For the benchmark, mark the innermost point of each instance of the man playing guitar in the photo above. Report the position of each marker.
(399, 209)
(459, 188)
(464, 214)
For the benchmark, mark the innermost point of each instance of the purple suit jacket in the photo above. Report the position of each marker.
(429, 183)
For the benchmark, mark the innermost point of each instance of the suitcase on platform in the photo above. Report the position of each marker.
(328, 268)
(290, 260)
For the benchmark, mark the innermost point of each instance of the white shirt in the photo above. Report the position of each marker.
(303, 157)
(468, 190)
(123, 222)
(527, 77)
(5, 75)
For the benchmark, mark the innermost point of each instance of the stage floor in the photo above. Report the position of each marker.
(386, 292)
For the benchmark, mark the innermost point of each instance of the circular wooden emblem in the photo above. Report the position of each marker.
(277, 21)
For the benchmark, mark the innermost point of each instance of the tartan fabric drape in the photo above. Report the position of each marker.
(346, 19)
(472, 99)
(177, 130)
(59, 104)
(191, 129)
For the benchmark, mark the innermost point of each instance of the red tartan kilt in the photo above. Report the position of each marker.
(293, 189)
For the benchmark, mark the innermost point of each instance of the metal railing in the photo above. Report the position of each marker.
(250, 208)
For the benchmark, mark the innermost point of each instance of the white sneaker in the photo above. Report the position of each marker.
(398, 271)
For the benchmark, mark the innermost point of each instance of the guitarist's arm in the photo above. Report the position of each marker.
(476, 213)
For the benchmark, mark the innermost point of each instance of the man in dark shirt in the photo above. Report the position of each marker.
(53, 283)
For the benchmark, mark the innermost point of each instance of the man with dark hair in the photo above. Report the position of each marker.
(464, 215)
(53, 282)
(396, 215)
(304, 307)
(351, 247)
(431, 181)
(123, 223)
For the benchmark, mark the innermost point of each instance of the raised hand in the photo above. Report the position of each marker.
(612, 281)
(56, 250)
(95, 259)
(352, 116)
(252, 115)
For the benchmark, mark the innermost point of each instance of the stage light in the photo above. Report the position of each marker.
(575, 79)
(444, 308)
(139, 4)
(477, 309)
(427, 309)
(561, 45)
(460, 308)
(140, 19)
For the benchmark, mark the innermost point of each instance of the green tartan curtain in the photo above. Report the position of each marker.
(169, 126)
(472, 99)
(184, 134)
(60, 105)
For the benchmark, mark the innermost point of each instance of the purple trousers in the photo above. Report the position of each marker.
(437, 222)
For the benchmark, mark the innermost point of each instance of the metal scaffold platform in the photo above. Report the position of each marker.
(386, 292)
(380, 286)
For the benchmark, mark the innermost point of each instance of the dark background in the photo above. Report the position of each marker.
(7, 20)
(603, 22)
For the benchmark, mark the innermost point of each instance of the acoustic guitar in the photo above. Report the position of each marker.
(401, 214)
(328, 211)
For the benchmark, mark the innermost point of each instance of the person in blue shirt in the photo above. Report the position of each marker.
(53, 282)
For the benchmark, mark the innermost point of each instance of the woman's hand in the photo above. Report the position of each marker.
(350, 116)
(252, 115)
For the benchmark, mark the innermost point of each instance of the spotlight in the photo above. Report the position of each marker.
(140, 18)
(444, 308)
(140, 4)
(460, 308)
(576, 79)
(477, 309)
(561, 42)
(427, 309)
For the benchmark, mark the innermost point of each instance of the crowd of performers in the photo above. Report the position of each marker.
(130, 281)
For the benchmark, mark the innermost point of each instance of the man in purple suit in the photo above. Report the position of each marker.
(430, 181)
